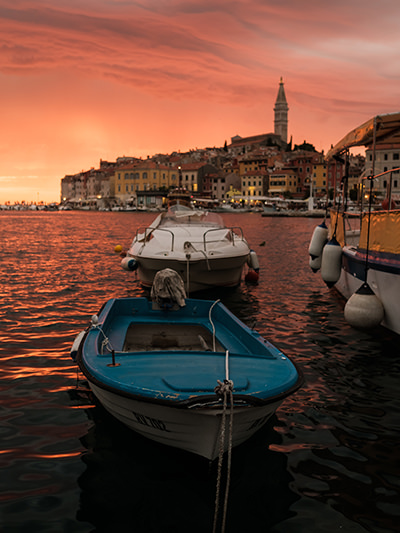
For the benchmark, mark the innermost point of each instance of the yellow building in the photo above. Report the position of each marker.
(254, 183)
(144, 176)
(283, 181)
(319, 178)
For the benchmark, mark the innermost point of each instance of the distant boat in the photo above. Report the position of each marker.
(176, 370)
(364, 247)
(194, 243)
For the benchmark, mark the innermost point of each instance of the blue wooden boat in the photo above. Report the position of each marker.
(176, 373)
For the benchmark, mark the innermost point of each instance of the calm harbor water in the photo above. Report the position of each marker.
(327, 462)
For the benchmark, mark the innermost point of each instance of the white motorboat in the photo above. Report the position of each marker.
(359, 254)
(194, 243)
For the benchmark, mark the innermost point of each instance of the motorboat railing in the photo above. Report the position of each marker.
(231, 231)
(145, 236)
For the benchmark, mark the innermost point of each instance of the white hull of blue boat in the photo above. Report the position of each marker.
(193, 430)
(174, 374)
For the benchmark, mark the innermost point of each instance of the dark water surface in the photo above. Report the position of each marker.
(328, 462)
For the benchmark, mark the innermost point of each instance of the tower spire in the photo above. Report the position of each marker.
(281, 113)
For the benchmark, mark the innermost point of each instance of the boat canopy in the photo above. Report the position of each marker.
(383, 234)
(385, 128)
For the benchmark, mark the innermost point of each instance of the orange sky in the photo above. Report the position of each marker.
(84, 80)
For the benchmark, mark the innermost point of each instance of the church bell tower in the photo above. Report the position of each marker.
(281, 114)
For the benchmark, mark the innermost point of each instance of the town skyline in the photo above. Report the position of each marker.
(82, 82)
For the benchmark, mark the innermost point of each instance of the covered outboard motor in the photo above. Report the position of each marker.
(168, 289)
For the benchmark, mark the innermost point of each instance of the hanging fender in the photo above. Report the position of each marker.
(129, 264)
(318, 240)
(252, 261)
(364, 310)
(331, 262)
(315, 263)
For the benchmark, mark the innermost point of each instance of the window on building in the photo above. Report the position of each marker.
(395, 157)
(385, 157)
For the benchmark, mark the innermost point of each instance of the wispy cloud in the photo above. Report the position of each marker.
(72, 68)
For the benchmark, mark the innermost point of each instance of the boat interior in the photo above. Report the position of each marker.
(169, 337)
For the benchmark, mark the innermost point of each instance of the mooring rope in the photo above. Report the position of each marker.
(223, 389)
(106, 340)
(212, 323)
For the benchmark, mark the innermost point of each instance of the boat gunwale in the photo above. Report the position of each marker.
(203, 399)
(198, 401)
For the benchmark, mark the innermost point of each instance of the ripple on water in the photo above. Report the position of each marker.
(326, 462)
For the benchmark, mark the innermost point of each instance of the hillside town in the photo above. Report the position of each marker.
(246, 172)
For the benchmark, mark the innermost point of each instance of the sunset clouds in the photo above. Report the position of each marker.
(90, 79)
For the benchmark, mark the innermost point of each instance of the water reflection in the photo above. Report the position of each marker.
(131, 483)
(327, 462)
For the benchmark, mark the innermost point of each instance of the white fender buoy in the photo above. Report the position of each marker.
(318, 240)
(331, 262)
(252, 261)
(315, 263)
(75, 345)
(129, 264)
(364, 309)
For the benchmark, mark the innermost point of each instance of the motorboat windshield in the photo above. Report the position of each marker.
(182, 216)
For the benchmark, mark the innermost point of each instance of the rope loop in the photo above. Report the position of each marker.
(223, 388)
(106, 341)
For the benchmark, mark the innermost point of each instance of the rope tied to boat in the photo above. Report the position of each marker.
(224, 390)
(223, 387)
(106, 341)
